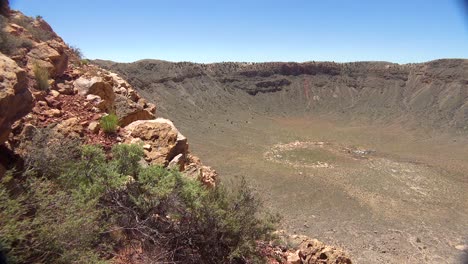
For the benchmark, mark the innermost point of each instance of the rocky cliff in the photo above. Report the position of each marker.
(78, 96)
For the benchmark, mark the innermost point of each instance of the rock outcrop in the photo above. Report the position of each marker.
(15, 98)
(128, 111)
(160, 139)
(164, 145)
(97, 86)
(49, 55)
(312, 251)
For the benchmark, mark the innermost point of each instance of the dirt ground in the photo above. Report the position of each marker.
(405, 202)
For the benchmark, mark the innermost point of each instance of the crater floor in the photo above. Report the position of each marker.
(385, 194)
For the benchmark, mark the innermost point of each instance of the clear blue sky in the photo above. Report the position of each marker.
(259, 30)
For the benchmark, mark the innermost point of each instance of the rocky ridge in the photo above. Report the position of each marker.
(430, 94)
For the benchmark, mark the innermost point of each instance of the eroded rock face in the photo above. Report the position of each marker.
(50, 55)
(15, 97)
(162, 139)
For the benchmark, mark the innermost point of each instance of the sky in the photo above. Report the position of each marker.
(401, 31)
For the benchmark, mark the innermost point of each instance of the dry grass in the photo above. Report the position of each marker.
(42, 77)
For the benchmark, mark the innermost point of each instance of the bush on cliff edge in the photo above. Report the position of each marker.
(74, 217)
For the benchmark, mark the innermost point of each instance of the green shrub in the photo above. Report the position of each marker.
(45, 224)
(84, 61)
(208, 226)
(48, 153)
(69, 218)
(126, 158)
(42, 77)
(109, 123)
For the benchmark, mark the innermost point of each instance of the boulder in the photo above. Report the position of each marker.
(128, 111)
(118, 82)
(55, 60)
(164, 140)
(312, 251)
(97, 86)
(15, 98)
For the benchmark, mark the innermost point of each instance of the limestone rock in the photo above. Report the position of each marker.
(196, 170)
(97, 86)
(53, 113)
(119, 83)
(165, 141)
(54, 93)
(94, 127)
(128, 111)
(293, 257)
(132, 95)
(15, 98)
(150, 107)
(312, 251)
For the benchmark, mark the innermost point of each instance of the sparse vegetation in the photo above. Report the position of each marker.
(42, 77)
(76, 51)
(109, 123)
(36, 32)
(9, 44)
(70, 217)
